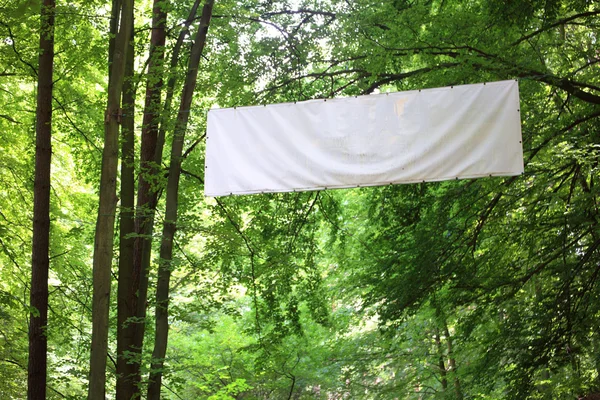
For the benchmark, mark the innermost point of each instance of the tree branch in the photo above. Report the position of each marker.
(397, 77)
(555, 24)
(299, 11)
(7, 117)
(14, 47)
(72, 123)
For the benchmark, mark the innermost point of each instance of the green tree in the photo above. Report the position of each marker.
(476, 289)
(103, 243)
(40, 261)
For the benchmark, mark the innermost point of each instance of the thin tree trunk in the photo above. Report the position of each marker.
(169, 228)
(172, 80)
(146, 251)
(103, 243)
(545, 374)
(144, 247)
(115, 14)
(441, 364)
(452, 363)
(125, 306)
(146, 195)
(40, 261)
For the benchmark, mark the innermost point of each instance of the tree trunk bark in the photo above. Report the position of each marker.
(125, 306)
(103, 243)
(545, 374)
(115, 18)
(143, 252)
(170, 90)
(166, 248)
(452, 363)
(146, 195)
(40, 261)
(441, 364)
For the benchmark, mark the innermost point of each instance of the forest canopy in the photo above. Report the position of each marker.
(119, 279)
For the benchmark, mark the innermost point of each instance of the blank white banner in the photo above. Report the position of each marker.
(467, 131)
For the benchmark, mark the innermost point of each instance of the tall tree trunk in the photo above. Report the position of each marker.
(170, 224)
(544, 388)
(452, 363)
(125, 306)
(103, 243)
(144, 247)
(441, 363)
(146, 194)
(170, 90)
(40, 261)
(115, 18)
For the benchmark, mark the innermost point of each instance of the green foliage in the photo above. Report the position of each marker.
(369, 293)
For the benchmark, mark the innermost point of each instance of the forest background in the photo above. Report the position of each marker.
(472, 289)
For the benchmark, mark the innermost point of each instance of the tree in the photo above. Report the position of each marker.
(40, 260)
(103, 243)
(479, 288)
(125, 293)
(166, 248)
(482, 247)
(147, 194)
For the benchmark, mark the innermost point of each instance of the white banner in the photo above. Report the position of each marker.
(455, 132)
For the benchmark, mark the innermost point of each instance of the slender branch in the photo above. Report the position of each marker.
(7, 117)
(345, 231)
(248, 246)
(112, 360)
(557, 254)
(569, 86)
(293, 378)
(10, 255)
(317, 75)
(171, 390)
(14, 47)
(72, 123)
(14, 363)
(488, 210)
(579, 121)
(57, 392)
(193, 146)
(303, 220)
(299, 11)
(555, 24)
(83, 15)
(397, 77)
